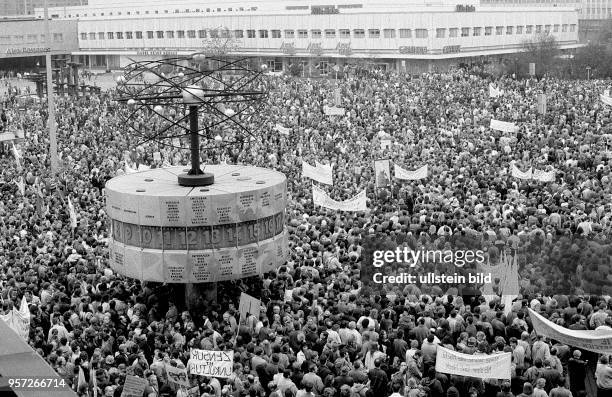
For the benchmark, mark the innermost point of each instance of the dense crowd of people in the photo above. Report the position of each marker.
(333, 337)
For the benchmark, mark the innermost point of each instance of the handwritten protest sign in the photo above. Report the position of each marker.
(211, 363)
(177, 375)
(494, 366)
(133, 386)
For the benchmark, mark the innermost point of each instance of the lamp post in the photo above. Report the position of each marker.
(50, 98)
(588, 69)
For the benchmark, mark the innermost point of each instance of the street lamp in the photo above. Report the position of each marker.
(588, 69)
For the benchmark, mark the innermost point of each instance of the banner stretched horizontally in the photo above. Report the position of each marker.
(321, 175)
(401, 173)
(212, 363)
(333, 111)
(282, 129)
(494, 366)
(503, 126)
(598, 341)
(520, 174)
(357, 203)
(327, 167)
(544, 176)
(606, 100)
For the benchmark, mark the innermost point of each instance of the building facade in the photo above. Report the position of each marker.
(27, 7)
(409, 35)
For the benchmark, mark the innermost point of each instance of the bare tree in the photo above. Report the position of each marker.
(541, 49)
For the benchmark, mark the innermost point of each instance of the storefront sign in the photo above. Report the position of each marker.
(156, 52)
(315, 48)
(344, 49)
(465, 8)
(412, 50)
(451, 49)
(288, 48)
(27, 50)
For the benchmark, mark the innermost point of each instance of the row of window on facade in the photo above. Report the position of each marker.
(30, 38)
(176, 11)
(330, 33)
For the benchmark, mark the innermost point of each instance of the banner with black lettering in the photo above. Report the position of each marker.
(493, 366)
(401, 173)
(357, 203)
(520, 174)
(321, 175)
(598, 341)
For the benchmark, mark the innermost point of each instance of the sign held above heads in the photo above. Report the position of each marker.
(216, 364)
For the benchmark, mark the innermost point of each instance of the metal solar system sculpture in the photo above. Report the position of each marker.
(212, 103)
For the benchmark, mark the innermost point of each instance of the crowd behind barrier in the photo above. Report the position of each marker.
(320, 332)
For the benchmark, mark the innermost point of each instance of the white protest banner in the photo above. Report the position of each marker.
(333, 111)
(133, 386)
(327, 167)
(321, 175)
(503, 126)
(382, 172)
(606, 100)
(598, 341)
(542, 103)
(248, 305)
(282, 129)
(357, 203)
(401, 173)
(494, 92)
(7, 136)
(494, 366)
(544, 176)
(21, 320)
(520, 174)
(72, 213)
(21, 185)
(177, 375)
(211, 363)
(337, 97)
(385, 144)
